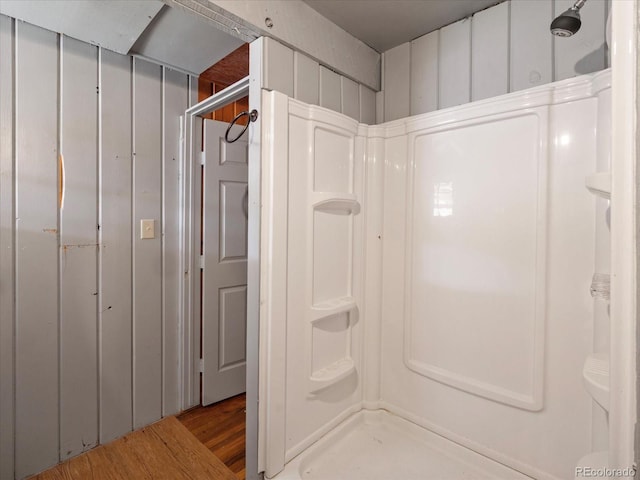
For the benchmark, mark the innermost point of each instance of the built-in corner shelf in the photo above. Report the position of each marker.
(332, 307)
(331, 374)
(596, 378)
(592, 461)
(599, 184)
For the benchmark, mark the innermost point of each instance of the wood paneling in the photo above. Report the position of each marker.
(278, 72)
(502, 49)
(583, 52)
(424, 73)
(330, 90)
(531, 45)
(231, 68)
(76, 346)
(6, 248)
(79, 249)
(304, 79)
(147, 287)
(116, 413)
(221, 428)
(164, 450)
(350, 98)
(36, 235)
(454, 73)
(490, 52)
(397, 77)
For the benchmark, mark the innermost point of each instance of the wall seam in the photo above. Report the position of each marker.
(163, 283)
(14, 232)
(439, 67)
(133, 241)
(509, 46)
(553, 44)
(58, 237)
(100, 247)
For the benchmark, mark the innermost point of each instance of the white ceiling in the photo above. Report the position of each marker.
(384, 24)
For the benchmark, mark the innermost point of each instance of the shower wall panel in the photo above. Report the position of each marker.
(488, 254)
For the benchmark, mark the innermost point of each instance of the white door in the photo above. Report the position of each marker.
(224, 274)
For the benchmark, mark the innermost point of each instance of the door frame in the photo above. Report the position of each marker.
(189, 288)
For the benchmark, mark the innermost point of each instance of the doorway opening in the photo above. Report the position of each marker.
(217, 216)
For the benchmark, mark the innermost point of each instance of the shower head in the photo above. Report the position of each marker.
(568, 22)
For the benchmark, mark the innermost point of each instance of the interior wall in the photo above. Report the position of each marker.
(502, 49)
(300, 77)
(89, 311)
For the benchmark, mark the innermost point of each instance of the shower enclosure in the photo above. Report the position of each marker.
(429, 287)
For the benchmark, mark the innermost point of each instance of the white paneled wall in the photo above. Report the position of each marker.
(88, 310)
(502, 49)
(301, 77)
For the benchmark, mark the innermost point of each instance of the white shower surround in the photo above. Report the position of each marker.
(529, 412)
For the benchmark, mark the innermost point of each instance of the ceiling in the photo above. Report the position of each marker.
(147, 28)
(384, 24)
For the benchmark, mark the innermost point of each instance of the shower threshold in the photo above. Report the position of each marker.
(377, 445)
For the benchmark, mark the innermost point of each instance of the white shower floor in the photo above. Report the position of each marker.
(381, 446)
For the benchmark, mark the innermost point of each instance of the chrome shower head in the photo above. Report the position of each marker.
(568, 23)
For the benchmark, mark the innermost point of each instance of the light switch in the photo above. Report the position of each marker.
(147, 229)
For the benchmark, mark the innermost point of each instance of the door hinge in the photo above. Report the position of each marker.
(202, 261)
(201, 365)
(203, 158)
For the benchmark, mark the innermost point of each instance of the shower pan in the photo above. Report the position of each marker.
(429, 312)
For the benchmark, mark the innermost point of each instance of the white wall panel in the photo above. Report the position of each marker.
(490, 52)
(147, 288)
(350, 98)
(36, 315)
(79, 249)
(397, 80)
(7, 253)
(307, 78)
(424, 73)
(330, 89)
(583, 52)
(530, 60)
(116, 413)
(565, 141)
(454, 74)
(367, 105)
(278, 67)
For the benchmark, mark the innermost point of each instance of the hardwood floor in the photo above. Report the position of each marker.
(221, 428)
(164, 450)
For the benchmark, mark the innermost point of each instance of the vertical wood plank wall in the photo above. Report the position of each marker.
(502, 49)
(88, 311)
(301, 77)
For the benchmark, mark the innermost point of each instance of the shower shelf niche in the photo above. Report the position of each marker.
(332, 307)
(332, 202)
(331, 374)
(599, 184)
(596, 378)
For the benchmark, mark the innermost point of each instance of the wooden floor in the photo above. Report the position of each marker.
(221, 428)
(164, 450)
(195, 445)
